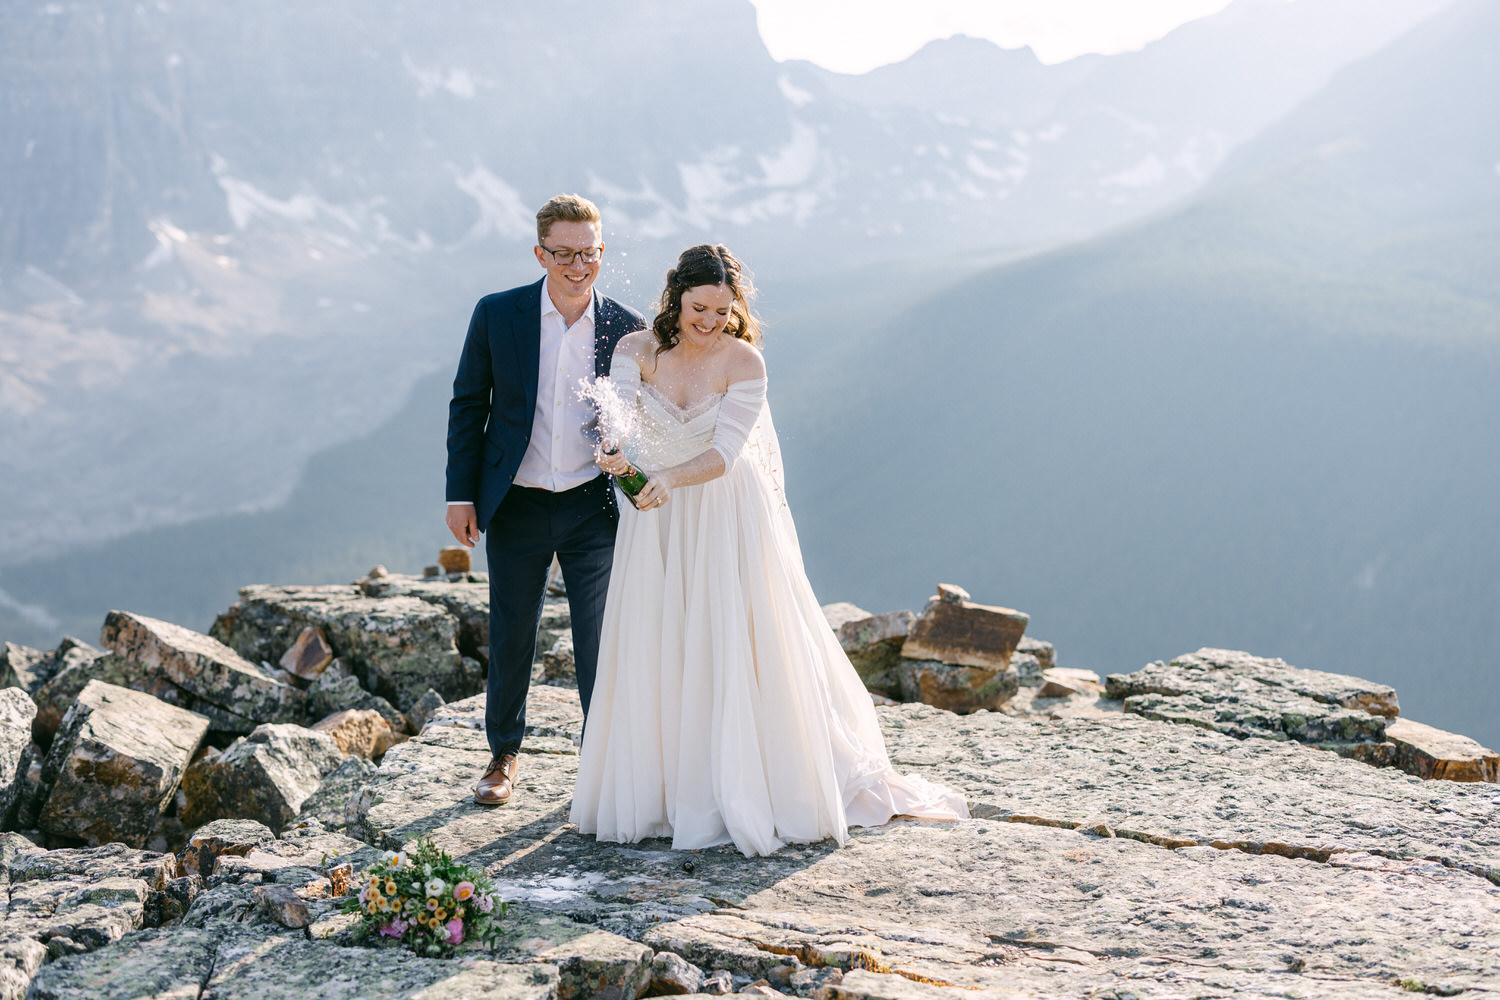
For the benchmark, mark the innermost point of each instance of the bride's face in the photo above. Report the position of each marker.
(705, 310)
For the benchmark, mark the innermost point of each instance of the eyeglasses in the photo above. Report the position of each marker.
(589, 255)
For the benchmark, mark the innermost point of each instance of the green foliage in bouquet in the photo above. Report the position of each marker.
(425, 900)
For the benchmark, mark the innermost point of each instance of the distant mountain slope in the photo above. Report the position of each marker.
(1266, 421)
(228, 240)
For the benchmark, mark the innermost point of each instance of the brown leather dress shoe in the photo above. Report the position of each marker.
(497, 782)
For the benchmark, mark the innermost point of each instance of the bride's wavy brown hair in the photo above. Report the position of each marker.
(706, 264)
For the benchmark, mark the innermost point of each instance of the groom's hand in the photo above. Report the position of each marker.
(464, 523)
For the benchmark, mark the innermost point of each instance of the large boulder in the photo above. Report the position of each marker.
(235, 693)
(16, 713)
(873, 644)
(115, 765)
(953, 629)
(265, 776)
(398, 646)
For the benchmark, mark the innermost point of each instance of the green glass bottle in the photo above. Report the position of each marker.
(631, 482)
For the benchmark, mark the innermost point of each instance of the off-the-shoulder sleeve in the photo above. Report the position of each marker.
(625, 372)
(737, 416)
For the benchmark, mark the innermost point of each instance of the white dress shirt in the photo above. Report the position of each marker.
(559, 456)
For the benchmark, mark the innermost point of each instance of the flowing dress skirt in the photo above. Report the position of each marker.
(724, 708)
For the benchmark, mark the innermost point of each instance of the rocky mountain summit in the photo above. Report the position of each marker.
(189, 811)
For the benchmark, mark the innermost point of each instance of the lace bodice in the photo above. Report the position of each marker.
(665, 434)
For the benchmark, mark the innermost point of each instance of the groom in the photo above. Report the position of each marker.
(521, 467)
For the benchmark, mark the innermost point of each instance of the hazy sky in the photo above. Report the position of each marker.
(852, 36)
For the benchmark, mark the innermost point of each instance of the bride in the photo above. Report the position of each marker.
(724, 708)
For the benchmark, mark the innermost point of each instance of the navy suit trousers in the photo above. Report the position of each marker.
(530, 526)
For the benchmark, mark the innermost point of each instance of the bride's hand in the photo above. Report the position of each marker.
(613, 463)
(656, 492)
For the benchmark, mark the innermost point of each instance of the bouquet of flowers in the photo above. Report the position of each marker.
(426, 901)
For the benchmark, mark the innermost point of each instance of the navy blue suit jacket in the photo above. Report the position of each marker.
(494, 392)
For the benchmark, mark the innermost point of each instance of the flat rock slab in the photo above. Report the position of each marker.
(552, 714)
(163, 964)
(1263, 713)
(115, 764)
(1041, 911)
(215, 676)
(1243, 695)
(26, 862)
(1210, 670)
(1184, 786)
(425, 787)
(185, 963)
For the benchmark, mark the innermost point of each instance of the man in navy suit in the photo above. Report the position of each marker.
(521, 464)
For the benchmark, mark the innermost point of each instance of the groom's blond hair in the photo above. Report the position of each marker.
(566, 208)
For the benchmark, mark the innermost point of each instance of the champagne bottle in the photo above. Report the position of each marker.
(632, 481)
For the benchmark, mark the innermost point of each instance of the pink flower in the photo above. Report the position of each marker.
(463, 891)
(455, 929)
(486, 904)
(395, 928)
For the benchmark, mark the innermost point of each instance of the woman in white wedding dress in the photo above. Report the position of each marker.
(724, 708)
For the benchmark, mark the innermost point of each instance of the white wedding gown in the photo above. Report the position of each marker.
(724, 708)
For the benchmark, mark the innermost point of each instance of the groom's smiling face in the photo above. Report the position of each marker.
(574, 278)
